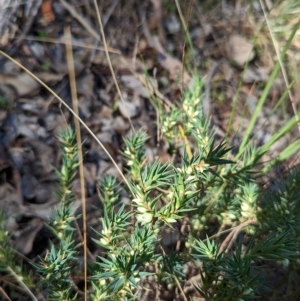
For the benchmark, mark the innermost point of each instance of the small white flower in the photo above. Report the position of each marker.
(141, 209)
(170, 220)
(145, 218)
(245, 207)
(129, 162)
(137, 201)
(104, 241)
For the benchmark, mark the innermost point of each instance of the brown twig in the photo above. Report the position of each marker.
(72, 76)
(231, 238)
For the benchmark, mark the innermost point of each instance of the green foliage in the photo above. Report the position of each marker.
(10, 264)
(56, 267)
(220, 271)
(207, 187)
(123, 269)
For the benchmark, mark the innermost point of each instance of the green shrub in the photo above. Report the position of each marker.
(229, 224)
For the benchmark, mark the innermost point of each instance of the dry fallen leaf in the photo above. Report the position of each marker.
(44, 157)
(10, 68)
(173, 65)
(254, 74)
(130, 109)
(24, 84)
(240, 50)
(85, 85)
(120, 125)
(26, 236)
(47, 11)
(29, 184)
(133, 82)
